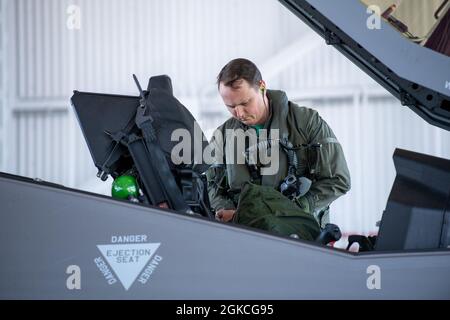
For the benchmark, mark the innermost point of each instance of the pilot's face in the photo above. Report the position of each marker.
(244, 102)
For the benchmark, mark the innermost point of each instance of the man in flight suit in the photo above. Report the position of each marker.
(253, 107)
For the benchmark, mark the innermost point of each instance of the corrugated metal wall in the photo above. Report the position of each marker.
(119, 37)
(50, 146)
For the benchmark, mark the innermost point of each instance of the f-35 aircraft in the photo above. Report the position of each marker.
(61, 243)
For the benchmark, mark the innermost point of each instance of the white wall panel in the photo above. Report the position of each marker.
(48, 148)
(189, 40)
(323, 67)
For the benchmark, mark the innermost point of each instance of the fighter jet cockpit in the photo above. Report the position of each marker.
(156, 237)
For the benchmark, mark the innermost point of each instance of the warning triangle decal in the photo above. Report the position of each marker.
(128, 260)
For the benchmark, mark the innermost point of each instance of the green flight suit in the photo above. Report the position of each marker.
(326, 165)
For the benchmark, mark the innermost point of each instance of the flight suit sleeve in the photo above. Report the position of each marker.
(332, 174)
(216, 175)
(217, 188)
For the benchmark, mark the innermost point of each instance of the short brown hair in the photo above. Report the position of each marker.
(239, 69)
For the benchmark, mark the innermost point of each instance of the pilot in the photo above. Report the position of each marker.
(308, 147)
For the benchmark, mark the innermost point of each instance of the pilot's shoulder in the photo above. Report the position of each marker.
(303, 115)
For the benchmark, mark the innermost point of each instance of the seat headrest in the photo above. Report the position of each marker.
(161, 82)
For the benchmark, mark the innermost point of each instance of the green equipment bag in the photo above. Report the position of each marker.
(265, 208)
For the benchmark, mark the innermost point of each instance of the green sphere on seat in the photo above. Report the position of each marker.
(125, 187)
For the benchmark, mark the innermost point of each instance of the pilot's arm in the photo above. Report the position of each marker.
(217, 185)
(217, 188)
(332, 177)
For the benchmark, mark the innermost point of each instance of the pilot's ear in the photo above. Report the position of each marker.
(262, 86)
